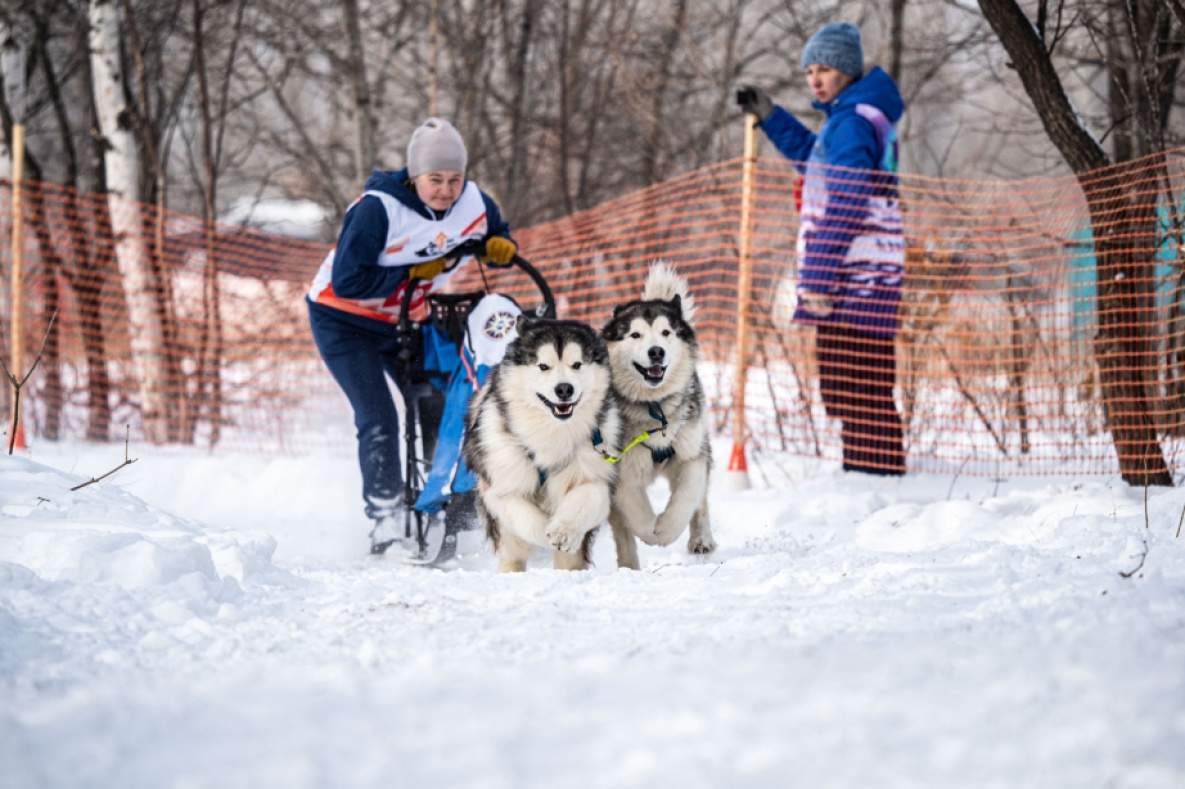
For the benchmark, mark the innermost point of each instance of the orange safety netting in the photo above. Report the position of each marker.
(1038, 318)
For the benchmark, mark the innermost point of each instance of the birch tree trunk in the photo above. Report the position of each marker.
(140, 283)
(8, 47)
(209, 347)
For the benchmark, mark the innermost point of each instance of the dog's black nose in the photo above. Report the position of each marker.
(564, 392)
(656, 353)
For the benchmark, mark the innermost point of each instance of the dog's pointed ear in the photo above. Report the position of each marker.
(617, 310)
(677, 304)
(521, 322)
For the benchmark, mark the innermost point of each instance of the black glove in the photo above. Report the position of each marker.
(755, 101)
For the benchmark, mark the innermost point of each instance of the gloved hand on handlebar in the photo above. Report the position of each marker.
(499, 252)
(427, 270)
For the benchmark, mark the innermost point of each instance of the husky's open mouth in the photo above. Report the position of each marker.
(653, 374)
(560, 411)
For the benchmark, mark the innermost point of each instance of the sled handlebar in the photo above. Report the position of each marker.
(475, 248)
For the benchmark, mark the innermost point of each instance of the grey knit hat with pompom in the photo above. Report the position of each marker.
(436, 146)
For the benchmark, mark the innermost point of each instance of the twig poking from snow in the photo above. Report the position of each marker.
(956, 479)
(125, 462)
(1145, 501)
(1141, 564)
(1180, 522)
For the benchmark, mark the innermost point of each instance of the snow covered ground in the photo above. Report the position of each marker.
(200, 621)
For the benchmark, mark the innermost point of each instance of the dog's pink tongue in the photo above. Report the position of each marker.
(655, 371)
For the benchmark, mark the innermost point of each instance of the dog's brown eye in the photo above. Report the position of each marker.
(577, 365)
(635, 335)
(666, 332)
(544, 367)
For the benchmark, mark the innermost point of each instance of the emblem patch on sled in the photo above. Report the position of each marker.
(499, 324)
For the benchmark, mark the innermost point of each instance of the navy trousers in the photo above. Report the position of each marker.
(360, 353)
(856, 374)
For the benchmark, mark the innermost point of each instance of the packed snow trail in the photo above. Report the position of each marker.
(216, 622)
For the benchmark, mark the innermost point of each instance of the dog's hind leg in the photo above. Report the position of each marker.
(513, 552)
(701, 540)
(627, 546)
(633, 508)
(688, 491)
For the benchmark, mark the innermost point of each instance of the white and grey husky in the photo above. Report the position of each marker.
(538, 433)
(653, 353)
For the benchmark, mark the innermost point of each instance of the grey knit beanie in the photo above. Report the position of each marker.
(836, 45)
(436, 146)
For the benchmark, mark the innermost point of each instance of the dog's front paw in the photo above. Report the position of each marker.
(701, 545)
(666, 530)
(563, 537)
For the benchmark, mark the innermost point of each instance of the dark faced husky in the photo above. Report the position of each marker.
(653, 353)
(538, 434)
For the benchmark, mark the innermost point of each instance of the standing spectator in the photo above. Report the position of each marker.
(851, 250)
(399, 229)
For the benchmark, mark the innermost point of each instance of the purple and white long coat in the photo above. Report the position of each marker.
(851, 244)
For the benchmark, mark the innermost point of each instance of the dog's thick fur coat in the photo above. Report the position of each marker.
(653, 353)
(538, 431)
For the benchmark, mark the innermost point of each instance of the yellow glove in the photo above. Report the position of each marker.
(427, 270)
(499, 252)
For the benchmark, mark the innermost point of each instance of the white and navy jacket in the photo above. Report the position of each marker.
(387, 230)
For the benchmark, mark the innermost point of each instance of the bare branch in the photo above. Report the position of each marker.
(126, 462)
(1143, 556)
(16, 385)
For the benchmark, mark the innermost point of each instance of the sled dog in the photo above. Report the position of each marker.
(653, 353)
(538, 433)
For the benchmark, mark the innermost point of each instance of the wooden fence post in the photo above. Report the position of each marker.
(18, 273)
(738, 467)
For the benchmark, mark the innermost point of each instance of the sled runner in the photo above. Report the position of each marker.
(463, 336)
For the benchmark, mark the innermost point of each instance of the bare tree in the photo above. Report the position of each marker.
(896, 38)
(364, 158)
(209, 345)
(1117, 210)
(652, 171)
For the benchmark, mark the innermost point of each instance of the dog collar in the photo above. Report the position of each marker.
(660, 416)
(657, 455)
(596, 439)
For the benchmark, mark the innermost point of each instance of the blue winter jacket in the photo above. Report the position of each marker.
(851, 243)
(356, 275)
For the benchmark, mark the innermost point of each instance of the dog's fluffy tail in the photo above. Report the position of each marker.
(663, 283)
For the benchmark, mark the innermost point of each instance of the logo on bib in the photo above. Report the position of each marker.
(437, 247)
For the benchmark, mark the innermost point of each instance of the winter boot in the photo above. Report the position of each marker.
(388, 532)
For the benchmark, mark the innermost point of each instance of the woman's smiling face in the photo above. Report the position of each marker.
(439, 190)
